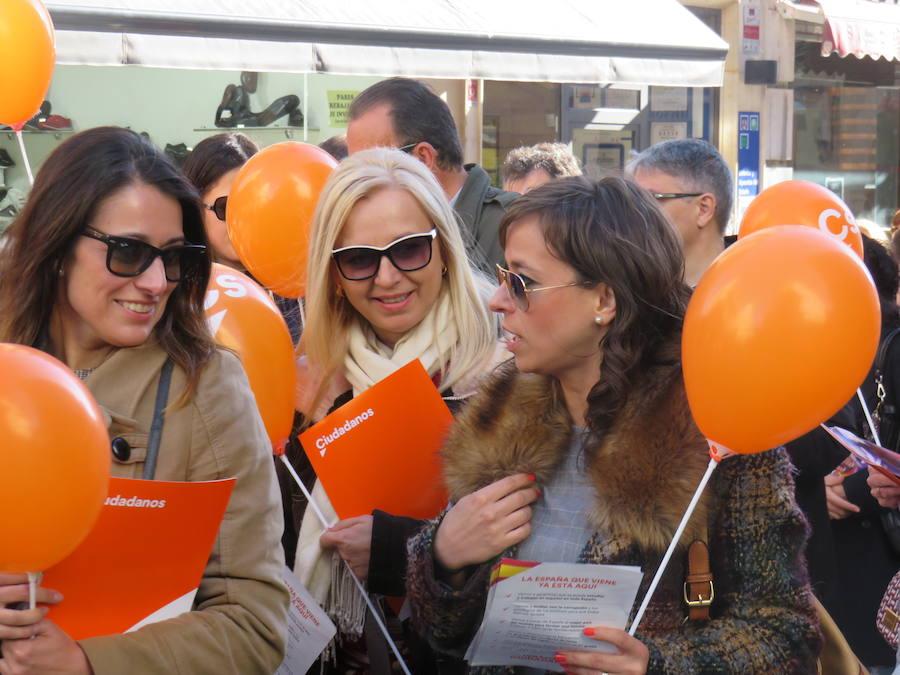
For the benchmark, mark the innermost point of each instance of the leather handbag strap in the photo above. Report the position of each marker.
(156, 426)
(699, 592)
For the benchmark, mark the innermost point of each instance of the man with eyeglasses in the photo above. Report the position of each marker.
(694, 188)
(406, 114)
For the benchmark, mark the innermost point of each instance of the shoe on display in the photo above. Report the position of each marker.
(249, 81)
(5, 160)
(278, 108)
(41, 115)
(234, 108)
(295, 118)
(177, 153)
(55, 123)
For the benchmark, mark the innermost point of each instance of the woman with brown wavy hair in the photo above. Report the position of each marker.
(106, 269)
(585, 451)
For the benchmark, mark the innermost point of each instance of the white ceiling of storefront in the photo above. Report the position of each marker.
(598, 41)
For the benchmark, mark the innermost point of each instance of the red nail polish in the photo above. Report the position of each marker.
(589, 631)
(531, 477)
(560, 658)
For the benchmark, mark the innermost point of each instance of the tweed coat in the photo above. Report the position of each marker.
(239, 620)
(645, 470)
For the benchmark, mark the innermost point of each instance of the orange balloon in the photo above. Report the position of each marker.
(54, 454)
(27, 55)
(800, 202)
(270, 211)
(243, 317)
(779, 333)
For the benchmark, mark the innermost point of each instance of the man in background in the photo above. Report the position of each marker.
(529, 166)
(694, 188)
(406, 114)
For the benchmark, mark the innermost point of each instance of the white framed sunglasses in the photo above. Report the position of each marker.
(407, 254)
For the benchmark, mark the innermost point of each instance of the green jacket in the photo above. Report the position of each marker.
(481, 207)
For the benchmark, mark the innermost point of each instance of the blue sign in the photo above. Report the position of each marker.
(748, 154)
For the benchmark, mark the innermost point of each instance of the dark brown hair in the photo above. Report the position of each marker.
(418, 115)
(612, 232)
(215, 156)
(74, 180)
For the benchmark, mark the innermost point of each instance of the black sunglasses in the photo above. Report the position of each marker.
(407, 254)
(127, 257)
(218, 207)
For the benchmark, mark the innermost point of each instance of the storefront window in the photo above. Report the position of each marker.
(847, 133)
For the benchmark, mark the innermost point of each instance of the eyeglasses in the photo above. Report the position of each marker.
(409, 147)
(127, 257)
(515, 286)
(218, 207)
(674, 195)
(407, 254)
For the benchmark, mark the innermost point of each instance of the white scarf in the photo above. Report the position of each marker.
(368, 361)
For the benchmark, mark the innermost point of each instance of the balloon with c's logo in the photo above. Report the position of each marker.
(800, 202)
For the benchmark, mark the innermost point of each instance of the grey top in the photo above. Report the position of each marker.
(560, 527)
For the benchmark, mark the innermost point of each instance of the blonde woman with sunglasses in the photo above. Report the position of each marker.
(388, 283)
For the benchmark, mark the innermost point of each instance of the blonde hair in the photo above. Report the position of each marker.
(325, 337)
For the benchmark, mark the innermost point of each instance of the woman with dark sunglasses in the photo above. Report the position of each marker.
(106, 269)
(584, 451)
(212, 167)
(388, 282)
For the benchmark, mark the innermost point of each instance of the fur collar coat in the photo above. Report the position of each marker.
(645, 470)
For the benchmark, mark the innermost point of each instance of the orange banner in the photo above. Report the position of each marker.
(380, 450)
(143, 560)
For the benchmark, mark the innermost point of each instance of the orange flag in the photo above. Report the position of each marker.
(143, 560)
(380, 450)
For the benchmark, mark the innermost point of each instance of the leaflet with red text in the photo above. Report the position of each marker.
(535, 610)
(144, 559)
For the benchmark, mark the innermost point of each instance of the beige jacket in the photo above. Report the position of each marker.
(239, 622)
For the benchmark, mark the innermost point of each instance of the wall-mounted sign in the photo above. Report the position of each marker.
(671, 99)
(667, 131)
(338, 102)
(750, 29)
(748, 154)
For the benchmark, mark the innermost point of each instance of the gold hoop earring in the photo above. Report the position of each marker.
(444, 271)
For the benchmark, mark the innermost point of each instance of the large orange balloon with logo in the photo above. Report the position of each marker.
(242, 316)
(270, 210)
(54, 460)
(779, 333)
(800, 202)
(27, 55)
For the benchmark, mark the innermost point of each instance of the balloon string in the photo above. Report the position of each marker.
(33, 581)
(862, 400)
(376, 614)
(25, 156)
(665, 561)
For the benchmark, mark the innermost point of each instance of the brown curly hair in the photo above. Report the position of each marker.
(612, 232)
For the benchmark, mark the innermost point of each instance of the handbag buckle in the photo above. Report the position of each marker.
(700, 601)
